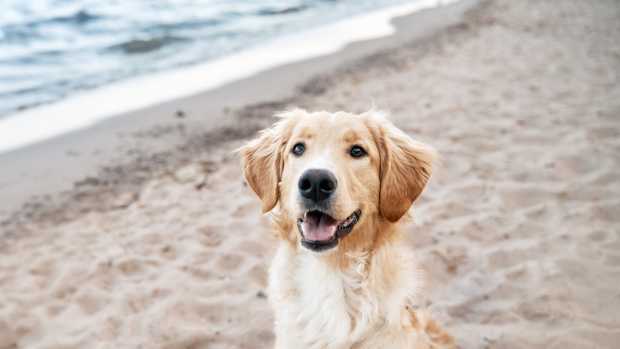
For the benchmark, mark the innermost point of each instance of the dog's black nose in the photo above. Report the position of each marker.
(317, 185)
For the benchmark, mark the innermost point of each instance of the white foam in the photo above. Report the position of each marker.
(85, 109)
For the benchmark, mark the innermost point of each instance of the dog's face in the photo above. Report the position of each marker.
(330, 179)
(335, 176)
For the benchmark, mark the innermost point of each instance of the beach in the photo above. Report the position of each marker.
(139, 232)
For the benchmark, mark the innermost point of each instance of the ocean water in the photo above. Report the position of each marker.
(49, 49)
(66, 65)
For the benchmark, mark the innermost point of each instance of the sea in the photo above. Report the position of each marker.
(59, 58)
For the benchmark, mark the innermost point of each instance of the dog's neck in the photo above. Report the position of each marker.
(372, 289)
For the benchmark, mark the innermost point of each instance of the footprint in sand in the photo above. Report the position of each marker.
(129, 266)
(524, 197)
(190, 341)
(230, 262)
(8, 337)
(258, 275)
(612, 260)
(168, 252)
(90, 302)
(606, 212)
(209, 236)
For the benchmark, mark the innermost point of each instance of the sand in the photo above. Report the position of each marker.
(518, 231)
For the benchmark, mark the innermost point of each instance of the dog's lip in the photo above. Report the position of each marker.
(343, 228)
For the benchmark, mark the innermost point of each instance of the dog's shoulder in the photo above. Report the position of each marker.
(430, 334)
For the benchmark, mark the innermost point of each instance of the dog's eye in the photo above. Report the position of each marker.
(357, 151)
(298, 149)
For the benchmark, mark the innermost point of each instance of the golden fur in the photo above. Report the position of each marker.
(369, 282)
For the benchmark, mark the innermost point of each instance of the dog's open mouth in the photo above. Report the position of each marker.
(319, 231)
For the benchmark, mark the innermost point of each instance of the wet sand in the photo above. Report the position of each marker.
(518, 231)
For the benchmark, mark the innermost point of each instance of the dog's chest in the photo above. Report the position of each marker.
(321, 306)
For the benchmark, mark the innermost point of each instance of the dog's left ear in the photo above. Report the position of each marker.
(406, 167)
(262, 164)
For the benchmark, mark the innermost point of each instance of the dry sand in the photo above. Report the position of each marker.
(519, 230)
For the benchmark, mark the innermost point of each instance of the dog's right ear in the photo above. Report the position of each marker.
(262, 163)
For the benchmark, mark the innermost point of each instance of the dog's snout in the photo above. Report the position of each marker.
(317, 185)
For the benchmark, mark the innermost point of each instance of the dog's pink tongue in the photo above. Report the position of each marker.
(319, 228)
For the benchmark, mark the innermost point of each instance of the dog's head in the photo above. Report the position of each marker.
(335, 177)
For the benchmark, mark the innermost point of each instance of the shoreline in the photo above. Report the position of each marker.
(75, 112)
(37, 173)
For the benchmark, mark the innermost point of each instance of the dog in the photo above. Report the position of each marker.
(338, 186)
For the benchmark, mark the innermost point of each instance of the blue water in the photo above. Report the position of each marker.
(50, 49)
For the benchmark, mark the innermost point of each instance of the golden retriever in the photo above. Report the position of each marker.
(337, 186)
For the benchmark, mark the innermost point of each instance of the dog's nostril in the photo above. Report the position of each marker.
(305, 184)
(326, 186)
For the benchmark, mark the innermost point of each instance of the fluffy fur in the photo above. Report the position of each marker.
(363, 293)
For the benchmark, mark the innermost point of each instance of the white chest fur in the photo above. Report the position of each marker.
(318, 306)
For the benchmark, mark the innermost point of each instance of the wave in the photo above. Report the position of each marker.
(282, 11)
(139, 46)
(79, 17)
